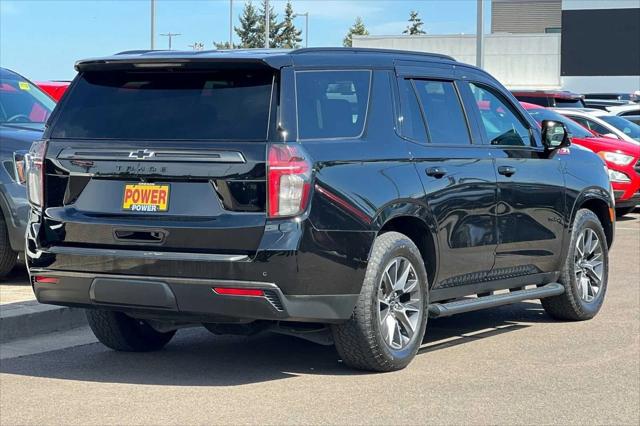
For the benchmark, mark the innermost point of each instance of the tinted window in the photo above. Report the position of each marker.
(502, 124)
(332, 104)
(218, 105)
(569, 103)
(446, 123)
(630, 129)
(590, 124)
(573, 128)
(411, 118)
(22, 102)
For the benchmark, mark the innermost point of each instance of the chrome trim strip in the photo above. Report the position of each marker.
(148, 254)
(161, 155)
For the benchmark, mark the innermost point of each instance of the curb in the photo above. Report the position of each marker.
(25, 319)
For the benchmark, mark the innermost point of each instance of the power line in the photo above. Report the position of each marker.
(171, 36)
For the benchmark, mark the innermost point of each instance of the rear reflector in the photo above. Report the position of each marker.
(45, 280)
(227, 291)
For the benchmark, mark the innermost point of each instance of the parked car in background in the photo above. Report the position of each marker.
(604, 123)
(342, 195)
(55, 89)
(630, 112)
(24, 108)
(550, 98)
(621, 96)
(621, 157)
(604, 104)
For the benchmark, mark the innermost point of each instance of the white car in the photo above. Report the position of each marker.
(603, 123)
(631, 112)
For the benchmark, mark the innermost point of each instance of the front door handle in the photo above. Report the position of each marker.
(507, 170)
(436, 172)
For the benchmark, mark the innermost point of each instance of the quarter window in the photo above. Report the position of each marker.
(411, 119)
(500, 121)
(332, 104)
(446, 123)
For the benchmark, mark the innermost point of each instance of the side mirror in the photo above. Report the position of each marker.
(554, 135)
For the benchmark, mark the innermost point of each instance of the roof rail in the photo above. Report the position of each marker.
(369, 50)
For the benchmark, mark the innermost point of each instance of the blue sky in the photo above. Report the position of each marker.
(43, 38)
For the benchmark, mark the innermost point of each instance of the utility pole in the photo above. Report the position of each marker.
(480, 36)
(153, 24)
(306, 26)
(267, 17)
(171, 36)
(230, 24)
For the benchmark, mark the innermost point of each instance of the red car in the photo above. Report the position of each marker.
(622, 157)
(55, 89)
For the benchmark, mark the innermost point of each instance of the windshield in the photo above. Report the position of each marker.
(23, 102)
(630, 129)
(573, 128)
(188, 105)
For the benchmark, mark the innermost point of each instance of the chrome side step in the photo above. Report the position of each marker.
(467, 305)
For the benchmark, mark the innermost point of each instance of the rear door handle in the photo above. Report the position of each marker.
(436, 172)
(507, 170)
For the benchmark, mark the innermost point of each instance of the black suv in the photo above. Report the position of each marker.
(341, 195)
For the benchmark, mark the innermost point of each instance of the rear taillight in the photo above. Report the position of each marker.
(288, 180)
(34, 171)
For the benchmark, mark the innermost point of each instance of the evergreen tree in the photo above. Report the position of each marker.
(289, 36)
(249, 34)
(224, 45)
(274, 26)
(358, 28)
(415, 24)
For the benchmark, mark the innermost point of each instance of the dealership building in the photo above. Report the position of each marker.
(578, 45)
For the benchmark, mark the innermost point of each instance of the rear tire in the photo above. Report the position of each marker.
(386, 328)
(8, 257)
(585, 272)
(120, 332)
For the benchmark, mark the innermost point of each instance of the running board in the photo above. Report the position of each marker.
(467, 305)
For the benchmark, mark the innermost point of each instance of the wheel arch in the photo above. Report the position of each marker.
(601, 206)
(420, 227)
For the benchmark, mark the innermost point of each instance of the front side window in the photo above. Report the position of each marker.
(500, 121)
(23, 102)
(332, 104)
(446, 123)
(627, 127)
(211, 105)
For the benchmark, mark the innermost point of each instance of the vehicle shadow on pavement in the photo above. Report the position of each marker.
(197, 358)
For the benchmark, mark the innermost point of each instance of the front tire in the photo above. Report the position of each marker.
(585, 272)
(120, 332)
(386, 328)
(8, 257)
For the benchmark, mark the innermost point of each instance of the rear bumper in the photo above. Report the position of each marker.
(186, 299)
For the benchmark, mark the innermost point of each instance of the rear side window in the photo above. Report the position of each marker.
(332, 104)
(446, 123)
(212, 105)
(412, 123)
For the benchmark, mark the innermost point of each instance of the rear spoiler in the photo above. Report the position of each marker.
(140, 62)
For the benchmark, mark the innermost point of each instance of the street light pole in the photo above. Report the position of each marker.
(171, 36)
(266, 23)
(480, 36)
(153, 24)
(306, 26)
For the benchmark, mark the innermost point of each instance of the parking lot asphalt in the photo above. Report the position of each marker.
(509, 365)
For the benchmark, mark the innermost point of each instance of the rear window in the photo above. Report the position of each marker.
(569, 103)
(211, 105)
(332, 104)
